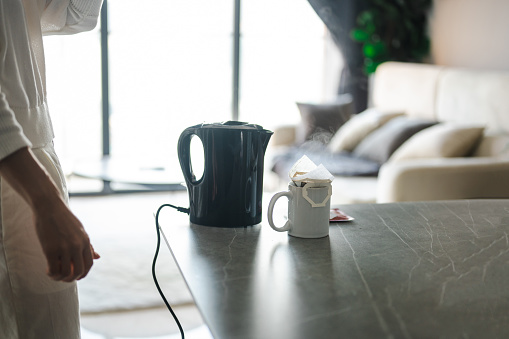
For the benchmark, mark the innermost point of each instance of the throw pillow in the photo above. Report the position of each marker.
(358, 127)
(381, 143)
(319, 122)
(442, 140)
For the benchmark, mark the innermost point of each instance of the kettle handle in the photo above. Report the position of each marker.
(184, 153)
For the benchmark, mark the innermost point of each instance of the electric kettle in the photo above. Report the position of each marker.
(229, 193)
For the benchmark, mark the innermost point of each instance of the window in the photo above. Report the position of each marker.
(73, 68)
(170, 67)
(287, 56)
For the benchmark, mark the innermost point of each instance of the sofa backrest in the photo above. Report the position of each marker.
(480, 97)
(406, 87)
(444, 94)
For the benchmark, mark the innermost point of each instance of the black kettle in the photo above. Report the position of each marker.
(229, 194)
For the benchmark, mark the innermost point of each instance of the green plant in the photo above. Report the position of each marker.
(392, 30)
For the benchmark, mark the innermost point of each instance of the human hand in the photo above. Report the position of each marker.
(65, 243)
(63, 239)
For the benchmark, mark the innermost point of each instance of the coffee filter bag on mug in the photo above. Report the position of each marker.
(305, 171)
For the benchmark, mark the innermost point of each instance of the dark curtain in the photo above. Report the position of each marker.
(339, 16)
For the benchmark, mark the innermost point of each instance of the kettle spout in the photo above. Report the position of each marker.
(265, 137)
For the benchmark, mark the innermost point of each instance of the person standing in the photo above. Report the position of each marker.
(44, 248)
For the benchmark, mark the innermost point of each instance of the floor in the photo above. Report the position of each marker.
(102, 214)
(147, 324)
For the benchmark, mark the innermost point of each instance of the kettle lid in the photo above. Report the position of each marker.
(232, 125)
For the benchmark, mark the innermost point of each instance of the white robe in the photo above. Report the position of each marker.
(31, 304)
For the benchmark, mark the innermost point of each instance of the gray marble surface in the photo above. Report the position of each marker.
(406, 270)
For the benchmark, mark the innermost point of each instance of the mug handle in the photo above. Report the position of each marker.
(270, 211)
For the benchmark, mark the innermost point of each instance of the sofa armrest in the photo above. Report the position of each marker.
(284, 135)
(443, 179)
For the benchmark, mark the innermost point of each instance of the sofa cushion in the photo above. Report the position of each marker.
(440, 141)
(381, 143)
(493, 146)
(319, 122)
(339, 164)
(358, 127)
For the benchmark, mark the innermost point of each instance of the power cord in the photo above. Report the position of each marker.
(158, 228)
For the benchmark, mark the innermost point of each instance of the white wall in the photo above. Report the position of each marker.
(470, 33)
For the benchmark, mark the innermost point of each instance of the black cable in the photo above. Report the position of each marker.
(180, 209)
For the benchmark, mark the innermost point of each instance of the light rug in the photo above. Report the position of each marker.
(122, 278)
(124, 235)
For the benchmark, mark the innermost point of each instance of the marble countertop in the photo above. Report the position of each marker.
(405, 270)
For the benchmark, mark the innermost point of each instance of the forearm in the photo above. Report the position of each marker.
(63, 239)
(30, 180)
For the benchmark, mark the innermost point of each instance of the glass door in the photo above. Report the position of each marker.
(171, 66)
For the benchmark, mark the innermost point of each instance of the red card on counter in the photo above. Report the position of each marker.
(336, 215)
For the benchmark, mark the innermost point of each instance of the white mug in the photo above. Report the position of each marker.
(308, 210)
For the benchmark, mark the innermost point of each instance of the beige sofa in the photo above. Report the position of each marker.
(449, 96)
